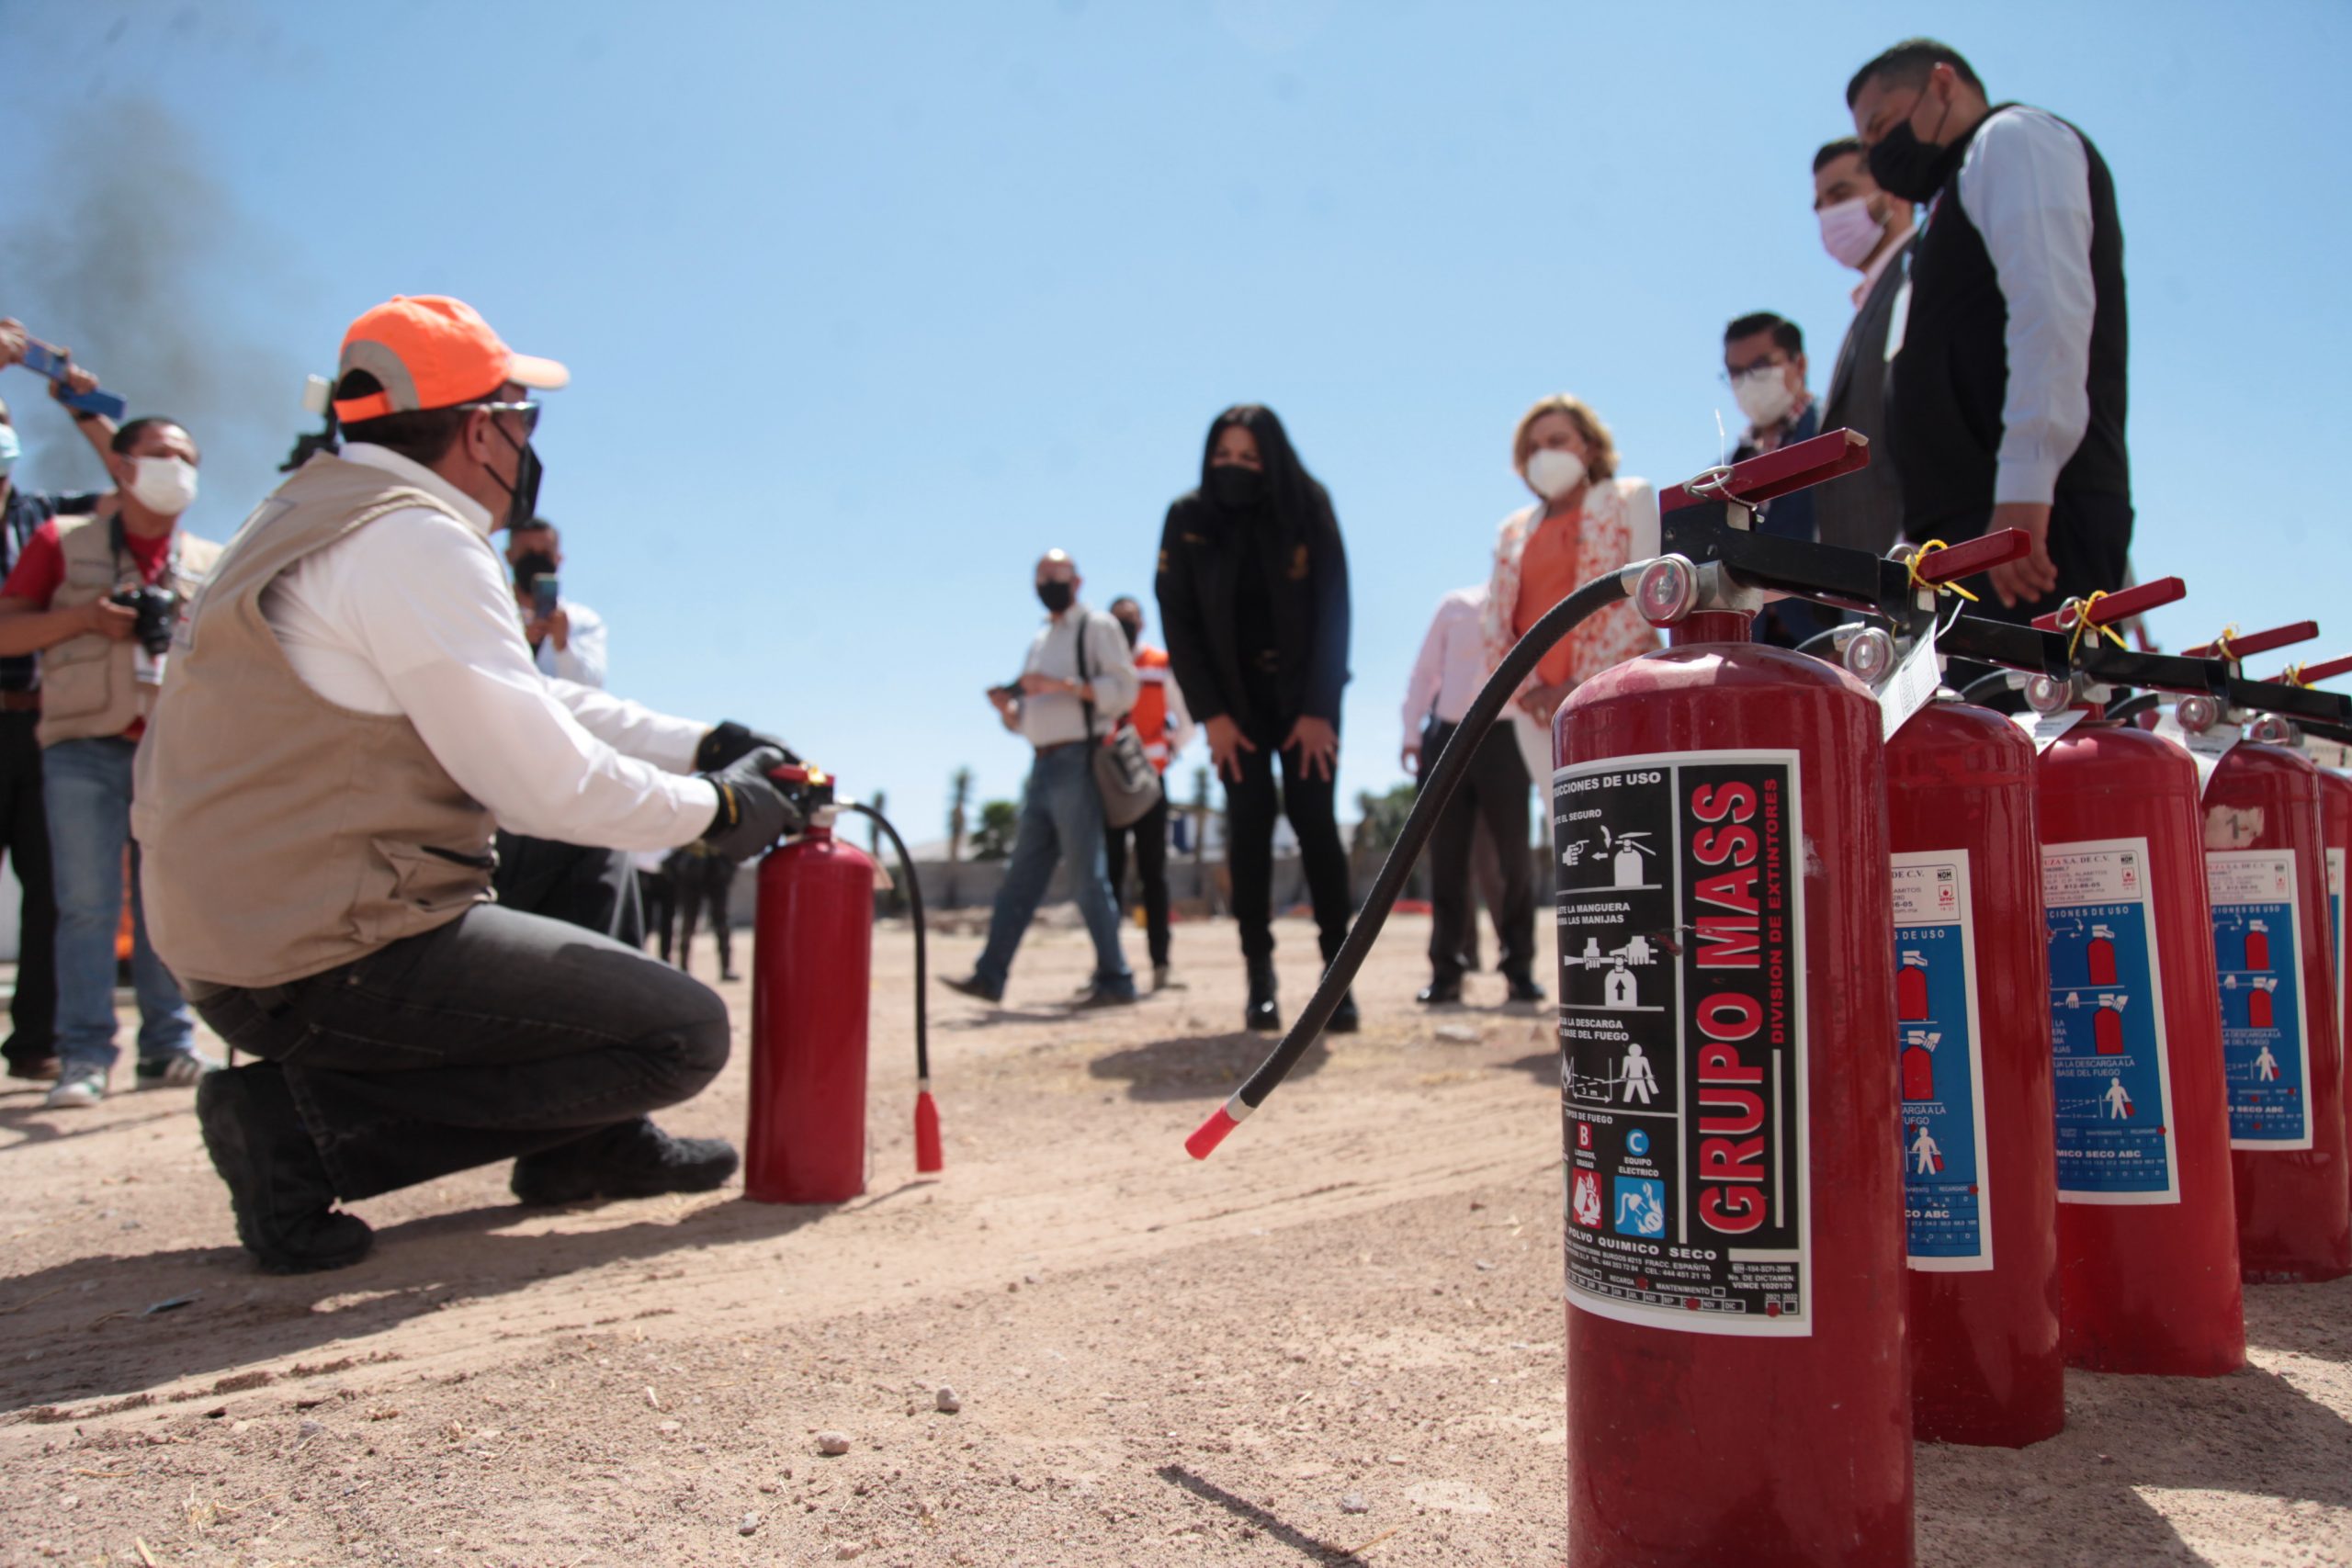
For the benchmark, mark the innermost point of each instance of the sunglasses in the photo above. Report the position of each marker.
(529, 410)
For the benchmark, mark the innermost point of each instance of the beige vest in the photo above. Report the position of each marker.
(281, 834)
(91, 685)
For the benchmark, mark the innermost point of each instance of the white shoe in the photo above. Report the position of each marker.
(178, 1070)
(77, 1092)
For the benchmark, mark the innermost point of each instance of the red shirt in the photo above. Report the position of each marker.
(40, 569)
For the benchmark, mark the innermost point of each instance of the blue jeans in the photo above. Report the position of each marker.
(86, 787)
(1061, 814)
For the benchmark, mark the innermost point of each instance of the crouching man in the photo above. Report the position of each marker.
(351, 713)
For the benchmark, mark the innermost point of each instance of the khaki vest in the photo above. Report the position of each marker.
(90, 686)
(281, 835)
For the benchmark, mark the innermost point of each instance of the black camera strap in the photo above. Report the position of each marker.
(120, 543)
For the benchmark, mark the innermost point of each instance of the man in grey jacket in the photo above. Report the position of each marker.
(1077, 681)
(1869, 231)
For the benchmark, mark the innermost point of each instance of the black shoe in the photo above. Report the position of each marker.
(1345, 1019)
(635, 1159)
(1260, 1013)
(278, 1187)
(1524, 990)
(1104, 996)
(37, 1069)
(1440, 993)
(973, 986)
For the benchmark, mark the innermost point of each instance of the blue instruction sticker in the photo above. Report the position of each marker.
(1940, 1063)
(2335, 935)
(2257, 948)
(2106, 1026)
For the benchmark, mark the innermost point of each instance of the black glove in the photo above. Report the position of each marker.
(752, 812)
(731, 743)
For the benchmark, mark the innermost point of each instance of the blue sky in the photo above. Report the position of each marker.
(867, 305)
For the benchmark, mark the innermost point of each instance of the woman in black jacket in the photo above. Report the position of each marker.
(1253, 598)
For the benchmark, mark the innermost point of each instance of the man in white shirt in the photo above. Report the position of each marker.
(2010, 349)
(1077, 681)
(1447, 674)
(349, 711)
(581, 885)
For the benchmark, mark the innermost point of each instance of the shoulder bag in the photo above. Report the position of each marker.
(1124, 777)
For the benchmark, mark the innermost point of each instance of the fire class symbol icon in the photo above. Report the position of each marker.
(1586, 1200)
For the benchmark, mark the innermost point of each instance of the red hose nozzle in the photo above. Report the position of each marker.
(1211, 1132)
(928, 1160)
(2231, 646)
(2108, 608)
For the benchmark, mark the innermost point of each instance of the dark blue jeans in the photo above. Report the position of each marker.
(497, 1035)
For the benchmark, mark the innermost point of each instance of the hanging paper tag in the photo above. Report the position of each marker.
(2328, 754)
(2205, 750)
(146, 668)
(1910, 686)
(2042, 728)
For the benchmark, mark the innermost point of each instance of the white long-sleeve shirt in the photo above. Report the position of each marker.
(2025, 182)
(413, 615)
(580, 659)
(1054, 719)
(1451, 664)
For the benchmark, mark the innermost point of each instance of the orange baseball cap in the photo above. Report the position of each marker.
(428, 351)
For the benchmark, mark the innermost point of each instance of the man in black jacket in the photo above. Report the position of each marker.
(2009, 383)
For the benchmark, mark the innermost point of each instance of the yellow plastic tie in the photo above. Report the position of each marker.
(2222, 643)
(1913, 565)
(2293, 676)
(2084, 623)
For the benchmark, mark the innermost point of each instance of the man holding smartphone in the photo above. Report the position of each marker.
(567, 637)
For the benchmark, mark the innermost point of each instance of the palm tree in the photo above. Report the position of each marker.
(960, 785)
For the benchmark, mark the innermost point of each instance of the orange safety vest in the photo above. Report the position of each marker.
(1150, 715)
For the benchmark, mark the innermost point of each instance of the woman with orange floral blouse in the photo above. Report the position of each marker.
(1586, 521)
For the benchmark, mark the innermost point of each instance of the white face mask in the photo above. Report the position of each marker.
(163, 485)
(1764, 394)
(1849, 232)
(1553, 472)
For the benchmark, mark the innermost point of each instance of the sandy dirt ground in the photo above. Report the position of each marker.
(1339, 1341)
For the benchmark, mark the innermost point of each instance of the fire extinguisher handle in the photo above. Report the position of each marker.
(2234, 647)
(2120, 605)
(2326, 670)
(1972, 556)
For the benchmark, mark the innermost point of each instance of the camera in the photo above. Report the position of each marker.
(157, 608)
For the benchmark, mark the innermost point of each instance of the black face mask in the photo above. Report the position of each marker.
(522, 496)
(1908, 168)
(532, 565)
(1236, 487)
(1134, 631)
(1056, 596)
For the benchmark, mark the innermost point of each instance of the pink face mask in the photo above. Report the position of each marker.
(1849, 232)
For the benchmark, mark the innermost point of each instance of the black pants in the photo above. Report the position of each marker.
(1492, 797)
(2090, 544)
(657, 897)
(24, 837)
(704, 882)
(497, 1035)
(593, 890)
(1150, 834)
(1250, 806)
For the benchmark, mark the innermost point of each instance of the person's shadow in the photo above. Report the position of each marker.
(1198, 1066)
(86, 1345)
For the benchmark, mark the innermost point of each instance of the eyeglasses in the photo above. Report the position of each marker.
(529, 410)
(1731, 378)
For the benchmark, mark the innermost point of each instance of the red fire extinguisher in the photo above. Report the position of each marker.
(2146, 1229)
(1986, 1360)
(810, 980)
(2266, 871)
(1737, 1383)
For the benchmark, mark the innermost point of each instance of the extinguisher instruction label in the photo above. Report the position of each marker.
(1682, 1040)
(2106, 1026)
(2257, 949)
(1940, 1060)
(2335, 933)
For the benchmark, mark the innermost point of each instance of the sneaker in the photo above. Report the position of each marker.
(1345, 1019)
(974, 987)
(1104, 996)
(634, 1160)
(278, 1187)
(1523, 988)
(178, 1070)
(1439, 993)
(76, 1091)
(1163, 978)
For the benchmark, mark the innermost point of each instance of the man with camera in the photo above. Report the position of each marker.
(351, 712)
(97, 595)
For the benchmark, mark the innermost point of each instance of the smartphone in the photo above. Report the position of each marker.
(543, 595)
(45, 360)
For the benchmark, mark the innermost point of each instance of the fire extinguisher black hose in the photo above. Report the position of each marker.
(1984, 686)
(2133, 706)
(1438, 786)
(914, 909)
